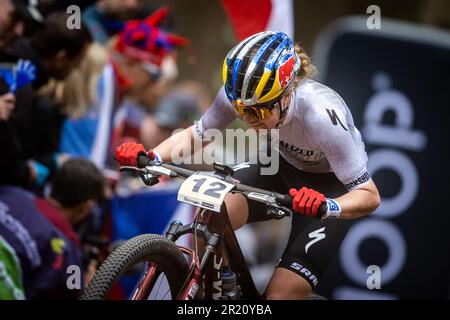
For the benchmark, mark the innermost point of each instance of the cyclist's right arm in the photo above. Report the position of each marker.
(218, 116)
(183, 140)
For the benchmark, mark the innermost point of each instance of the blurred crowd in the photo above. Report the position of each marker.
(69, 94)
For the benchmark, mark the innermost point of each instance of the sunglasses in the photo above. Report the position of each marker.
(260, 112)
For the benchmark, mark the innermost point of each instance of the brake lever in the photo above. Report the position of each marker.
(150, 179)
(132, 169)
(278, 212)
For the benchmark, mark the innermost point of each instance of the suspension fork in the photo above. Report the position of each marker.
(193, 281)
(198, 268)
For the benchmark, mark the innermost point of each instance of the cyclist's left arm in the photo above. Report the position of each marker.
(344, 150)
(359, 202)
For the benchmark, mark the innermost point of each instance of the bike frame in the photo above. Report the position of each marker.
(205, 273)
(215, 229)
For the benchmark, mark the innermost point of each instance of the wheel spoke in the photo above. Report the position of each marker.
(168, 290)
(160, 281)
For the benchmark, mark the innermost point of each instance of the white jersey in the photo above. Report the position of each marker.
(317, 135)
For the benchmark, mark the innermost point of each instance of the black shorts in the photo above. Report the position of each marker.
(312, 243)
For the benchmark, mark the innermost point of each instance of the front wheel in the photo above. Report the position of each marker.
(153, 250)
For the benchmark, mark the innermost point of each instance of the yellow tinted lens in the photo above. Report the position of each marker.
(262, 112)
(240, 109)
(265, 113)
(254, 112)
(259, 113)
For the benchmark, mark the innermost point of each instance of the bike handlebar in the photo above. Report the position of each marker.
(284, 200)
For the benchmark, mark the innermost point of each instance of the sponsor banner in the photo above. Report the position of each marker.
(395, 81)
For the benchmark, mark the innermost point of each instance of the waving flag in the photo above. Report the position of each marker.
(249, 17)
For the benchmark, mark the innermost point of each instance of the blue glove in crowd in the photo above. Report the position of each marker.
(22, 74)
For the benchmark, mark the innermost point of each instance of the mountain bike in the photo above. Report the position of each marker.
(171, 271)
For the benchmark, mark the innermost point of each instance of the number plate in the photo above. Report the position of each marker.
(204, 191)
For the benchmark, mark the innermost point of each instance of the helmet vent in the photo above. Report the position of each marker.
(268, 85)
(248, 57)
(257, 75)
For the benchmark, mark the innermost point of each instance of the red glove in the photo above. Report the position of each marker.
(306, 201)
(127, 153)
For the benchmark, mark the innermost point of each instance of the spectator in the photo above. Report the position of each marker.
(89, 98)
(43, 251)
(104, 18)
(7, 104)
(11, 287)
(15, 121)
(95, 92)
(53, 48)
(13, 17)
(142, 54)
(74, 190)
(41, 231)
(11, 26)
(80, 89)
(15, 108)
(14, 14)
(30, 138)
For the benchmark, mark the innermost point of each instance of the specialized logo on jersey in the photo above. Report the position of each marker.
(285, 70)
(315, 236)
(335, 119)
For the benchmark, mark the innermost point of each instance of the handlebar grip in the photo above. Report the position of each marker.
(142, 160)
(286, 201)
(323, 208)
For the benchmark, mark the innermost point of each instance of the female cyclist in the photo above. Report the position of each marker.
(267, 83)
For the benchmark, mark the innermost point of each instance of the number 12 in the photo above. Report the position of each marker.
(212, 192)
